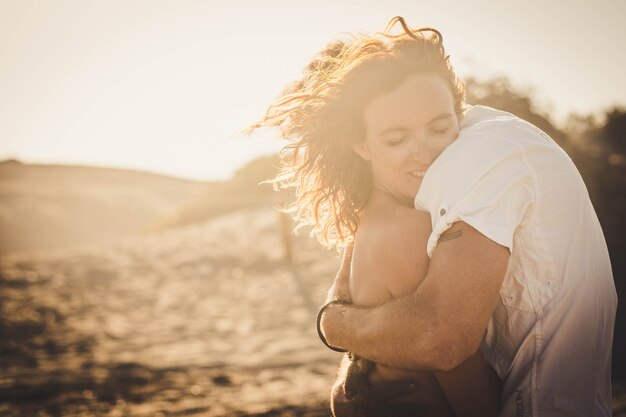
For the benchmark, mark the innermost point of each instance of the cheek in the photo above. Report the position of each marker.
(445, 142)
(387, 161)
(383, 157)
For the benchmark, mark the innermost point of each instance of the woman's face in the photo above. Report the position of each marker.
(405, 131)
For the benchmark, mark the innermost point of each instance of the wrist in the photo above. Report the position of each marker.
(320, 315)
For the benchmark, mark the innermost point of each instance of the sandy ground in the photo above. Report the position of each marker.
(204, 320)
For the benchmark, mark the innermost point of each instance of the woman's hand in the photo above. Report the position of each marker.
(340, 290)
(353, 395)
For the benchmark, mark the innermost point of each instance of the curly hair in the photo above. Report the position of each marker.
(321, 115)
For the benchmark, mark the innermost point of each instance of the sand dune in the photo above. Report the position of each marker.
(45, 206)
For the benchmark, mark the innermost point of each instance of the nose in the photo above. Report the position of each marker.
(422, 150)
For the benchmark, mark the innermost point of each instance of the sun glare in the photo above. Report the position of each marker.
(165, 87)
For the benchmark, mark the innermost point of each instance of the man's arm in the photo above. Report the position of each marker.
(443, 322)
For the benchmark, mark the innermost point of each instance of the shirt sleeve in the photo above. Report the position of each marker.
(482, 180)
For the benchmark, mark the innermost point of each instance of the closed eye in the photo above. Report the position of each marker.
(441, 131)
(394, 135)
(396, 140)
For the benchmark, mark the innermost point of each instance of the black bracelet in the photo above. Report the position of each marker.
(319, 321)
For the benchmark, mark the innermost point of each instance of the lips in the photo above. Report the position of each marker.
(417, 174)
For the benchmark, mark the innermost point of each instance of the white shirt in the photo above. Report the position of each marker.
(550, 336)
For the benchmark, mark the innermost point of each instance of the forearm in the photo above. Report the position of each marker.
(403, 332)
(439, 325)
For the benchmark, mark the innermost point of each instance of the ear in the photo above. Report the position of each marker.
(362, 150)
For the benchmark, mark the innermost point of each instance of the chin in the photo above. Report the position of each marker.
(406, 200)
(413, 192)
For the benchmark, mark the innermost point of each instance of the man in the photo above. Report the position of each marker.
(519, 268)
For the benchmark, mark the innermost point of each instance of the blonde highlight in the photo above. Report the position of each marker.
(321, 116)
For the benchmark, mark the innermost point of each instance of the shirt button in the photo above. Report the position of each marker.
(442, 212)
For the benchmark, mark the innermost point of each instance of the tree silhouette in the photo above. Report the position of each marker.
(613, 133)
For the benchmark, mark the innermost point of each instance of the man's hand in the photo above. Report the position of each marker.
(340, 290)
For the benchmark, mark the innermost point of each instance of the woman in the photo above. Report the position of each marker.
(356, 119)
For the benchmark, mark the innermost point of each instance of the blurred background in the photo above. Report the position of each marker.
(143, 269)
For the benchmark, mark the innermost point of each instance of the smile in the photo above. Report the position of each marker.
(417, 174)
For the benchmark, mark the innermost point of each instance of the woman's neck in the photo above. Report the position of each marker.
(382, 195)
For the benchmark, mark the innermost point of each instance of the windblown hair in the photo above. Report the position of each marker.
(322, 117)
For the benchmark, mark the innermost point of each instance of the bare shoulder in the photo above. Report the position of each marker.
(396, 238)
(406, 225)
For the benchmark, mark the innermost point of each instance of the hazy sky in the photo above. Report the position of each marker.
(165, 86)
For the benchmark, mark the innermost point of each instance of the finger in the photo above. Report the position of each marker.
(356, 380)
(347, 258)
(341, 287)
(346, 262)
(337, 292)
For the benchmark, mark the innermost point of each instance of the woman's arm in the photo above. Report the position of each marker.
(472, 388)
(442, 322)
(389, 258)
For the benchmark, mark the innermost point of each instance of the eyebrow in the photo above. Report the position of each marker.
(442, 116)
(393, 130)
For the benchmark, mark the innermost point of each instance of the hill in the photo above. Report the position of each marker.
(45, 206)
